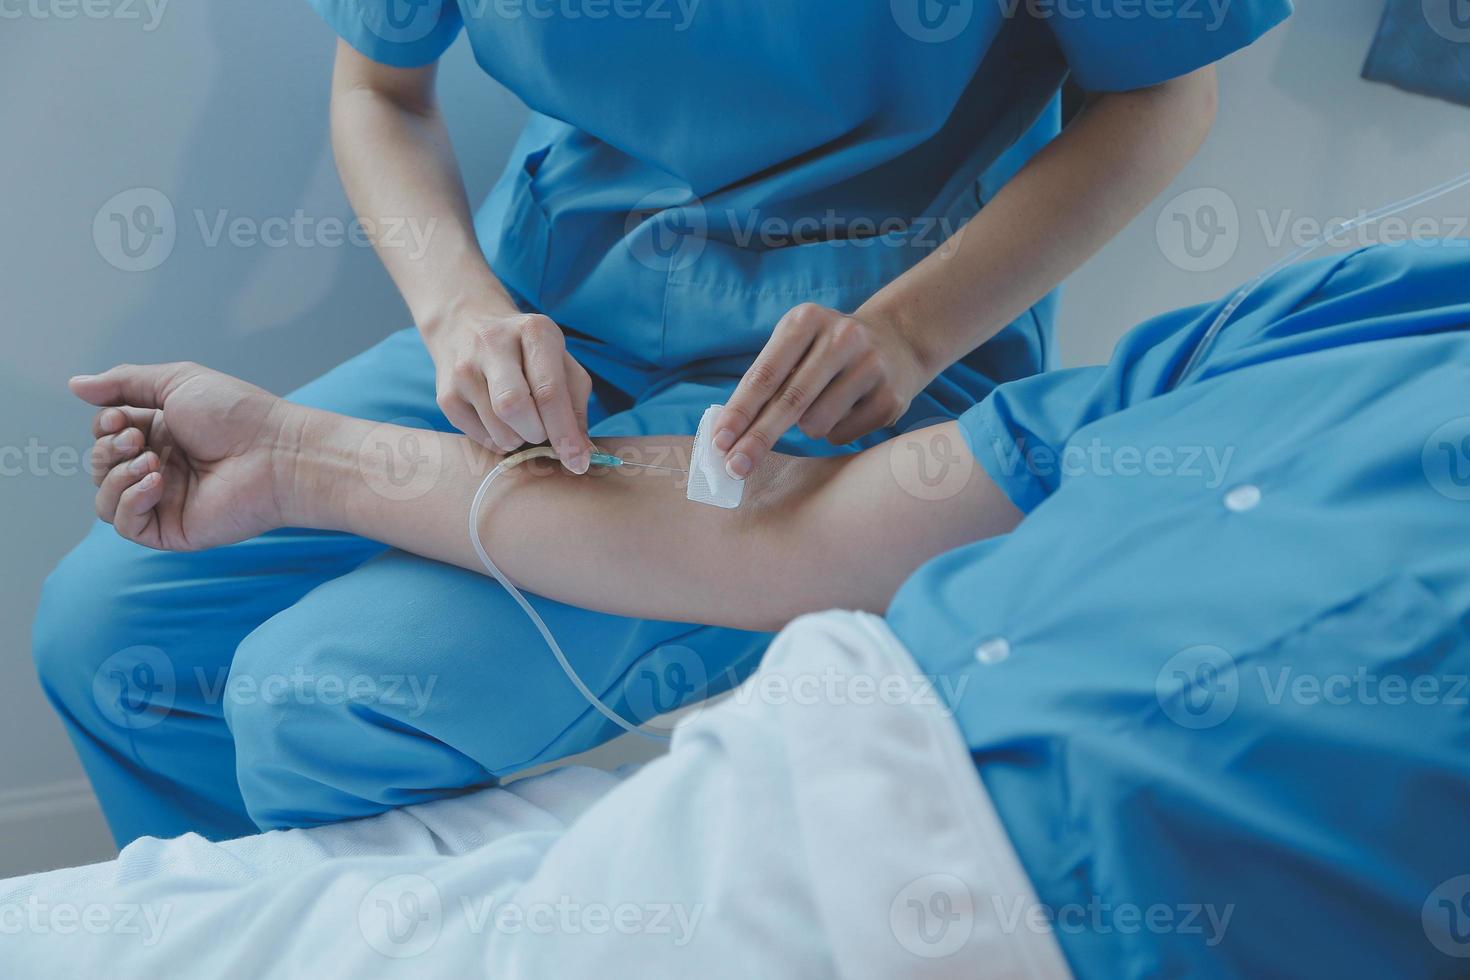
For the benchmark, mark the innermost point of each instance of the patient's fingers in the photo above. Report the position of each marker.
(118, 480)
(107, 421)
(135, 516)
(148, 385)
(108, 451)
(117, 417)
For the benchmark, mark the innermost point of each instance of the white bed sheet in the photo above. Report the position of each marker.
(823, 821)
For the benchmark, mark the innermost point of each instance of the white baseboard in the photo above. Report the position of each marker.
(55, 825)
(28, 803)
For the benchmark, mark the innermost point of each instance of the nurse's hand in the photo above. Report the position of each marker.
(187, 458)
(507, 380)
(835, 376)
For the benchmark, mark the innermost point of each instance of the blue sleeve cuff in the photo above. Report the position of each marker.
(400, 33)
(1019, 434)
(1122, 45)
(1002, 456)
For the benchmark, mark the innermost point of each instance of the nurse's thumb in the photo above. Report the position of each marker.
(139, 385)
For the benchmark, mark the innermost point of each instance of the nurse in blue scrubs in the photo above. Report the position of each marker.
(757, 205)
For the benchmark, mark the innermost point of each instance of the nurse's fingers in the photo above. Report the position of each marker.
(464, 417)
(877, 410)
(108, 451)
(789, 343)
(792, 399)
(510, 396)
(119, 479)
(836, 403)
(581, 385)
(551, 390)
(136, 518)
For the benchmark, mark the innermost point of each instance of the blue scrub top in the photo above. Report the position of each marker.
(1222, 664)
(694, 169)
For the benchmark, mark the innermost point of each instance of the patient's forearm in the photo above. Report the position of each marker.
(811, 534)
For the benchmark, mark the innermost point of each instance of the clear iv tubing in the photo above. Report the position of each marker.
(1245, 293)
(510, 462)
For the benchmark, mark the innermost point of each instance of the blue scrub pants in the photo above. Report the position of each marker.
(307, 676)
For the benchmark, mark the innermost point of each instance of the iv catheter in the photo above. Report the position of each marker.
(610, 461)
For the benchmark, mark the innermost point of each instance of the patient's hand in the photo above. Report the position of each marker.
(187, 458)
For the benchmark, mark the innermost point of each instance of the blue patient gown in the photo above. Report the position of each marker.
(1216, 681)
(691, 171)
